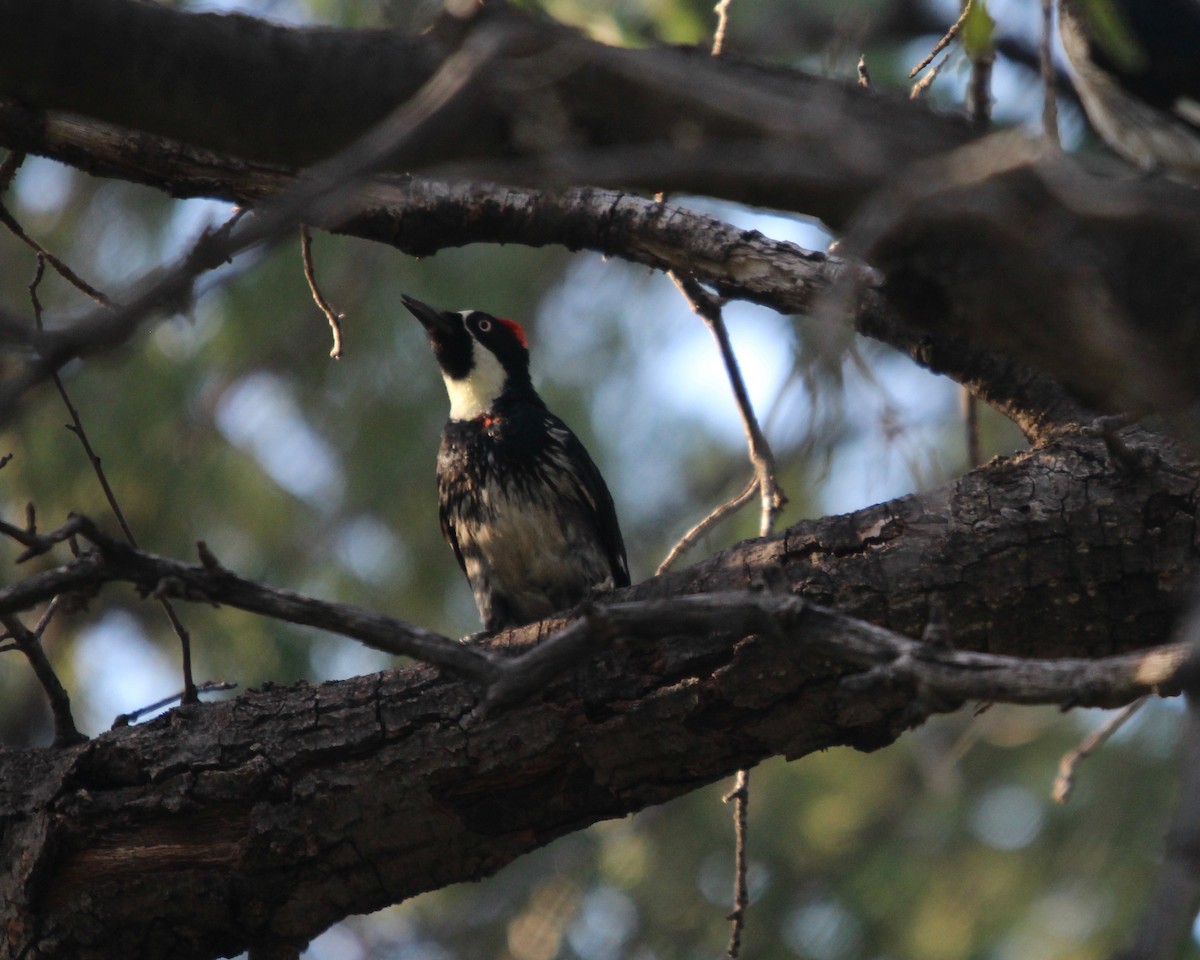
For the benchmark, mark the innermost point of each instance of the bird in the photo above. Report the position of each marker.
(1136, 67)
(521, 502)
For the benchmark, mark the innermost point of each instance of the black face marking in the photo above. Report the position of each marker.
(499, 338)
(447, 335)
(453, 349)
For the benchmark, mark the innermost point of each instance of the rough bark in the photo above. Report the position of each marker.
(260, 821)
(264, 819)
(659, 118)
(420, 217)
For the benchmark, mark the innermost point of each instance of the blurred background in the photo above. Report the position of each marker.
(233, 425)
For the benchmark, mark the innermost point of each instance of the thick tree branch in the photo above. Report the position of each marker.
(421, 216)
(317, 195)
(556, 90)
(558, 109)
(273, 815)
(1088, 279)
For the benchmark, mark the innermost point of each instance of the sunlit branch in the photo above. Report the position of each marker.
(722, 12)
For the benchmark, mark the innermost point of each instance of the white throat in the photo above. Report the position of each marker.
(474, 395)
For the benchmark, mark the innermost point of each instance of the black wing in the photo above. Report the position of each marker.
(593, 497)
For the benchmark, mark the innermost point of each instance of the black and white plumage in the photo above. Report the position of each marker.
(1136, 67)
(522, 504)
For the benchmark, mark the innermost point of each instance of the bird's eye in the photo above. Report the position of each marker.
(484, 325)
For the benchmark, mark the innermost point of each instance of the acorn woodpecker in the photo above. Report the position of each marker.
(1137, 69)
(525, 509)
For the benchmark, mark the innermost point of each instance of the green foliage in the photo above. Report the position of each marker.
(978, 30)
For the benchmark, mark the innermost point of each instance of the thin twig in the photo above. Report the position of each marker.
(1049, 77)
(76, 427)
(722, 12)
(926, 81)
(708, 308)
(47, 616)
(61, 268)
(65, 731)
(209, 686)
(210, 583)
(864, 76)
(740, 795)
(701, 528)
(1064, 783)
(333, 316)
(946, 40)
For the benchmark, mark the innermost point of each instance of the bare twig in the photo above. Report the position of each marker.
(710, 521)
(37, 543)
(29, 643)
(61, 268)
(333, 316)
(926, 81)
(76, 427)
(1049, 76)
(708, 308)
(209, 686)
(979, 91)
(740, 795)
(116, 561)
(946, 40)
(1064, 783)
(722, 12)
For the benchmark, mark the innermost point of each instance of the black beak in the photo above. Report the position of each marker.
(438, 323)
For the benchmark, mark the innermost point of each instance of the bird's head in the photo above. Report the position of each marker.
(481, 357)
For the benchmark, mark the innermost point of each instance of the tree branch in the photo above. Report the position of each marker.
(556, 89)
(421, 216)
